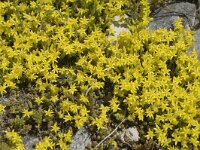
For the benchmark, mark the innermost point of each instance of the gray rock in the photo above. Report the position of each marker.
(166, 16)
(197, 42)
(29, 142)
(118, 30)
(117, 27)
(80, 140)
(131, 134)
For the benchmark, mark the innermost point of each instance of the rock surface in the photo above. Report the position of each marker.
(117, 28)
(29, 142)
(166, 16)
(197, 42)
(80, 140)
(131, 134)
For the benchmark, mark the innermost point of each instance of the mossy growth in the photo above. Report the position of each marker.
(61, 69)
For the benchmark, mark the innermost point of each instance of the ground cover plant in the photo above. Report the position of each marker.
(59, 71)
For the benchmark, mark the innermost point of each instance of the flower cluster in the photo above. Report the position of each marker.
(15, 139)
(59, 51)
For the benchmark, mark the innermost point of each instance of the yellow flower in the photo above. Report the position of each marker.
(80, 77)
(2, 89)
(179, 25)
(27, 113)
(74, 108)
(39, 100)
(195, 142)
(54, 99)
(114, 104)
(72, 89)
(104, 109)
(140, 113)
(55, 128)
(2, 108)
(84, 21)
(99, 123)
(16, 139)
(48, 112)
(45, 144)
(60, 114)
(176, 138)
(83, 98)
(19, 146)
(83, 111)
(82, 32)
(67, 118)
(149, 113)
(68, 136)
(79, 121)
(150, 135)
(173, 148)
(63, 145)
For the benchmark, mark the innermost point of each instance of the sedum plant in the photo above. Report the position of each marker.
(59, 53)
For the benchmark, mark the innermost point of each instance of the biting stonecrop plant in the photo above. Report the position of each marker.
(57, 52)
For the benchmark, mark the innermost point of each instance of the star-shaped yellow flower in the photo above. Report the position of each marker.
(55, 128)
(2, 108)
(27, 113)
(48, 112)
